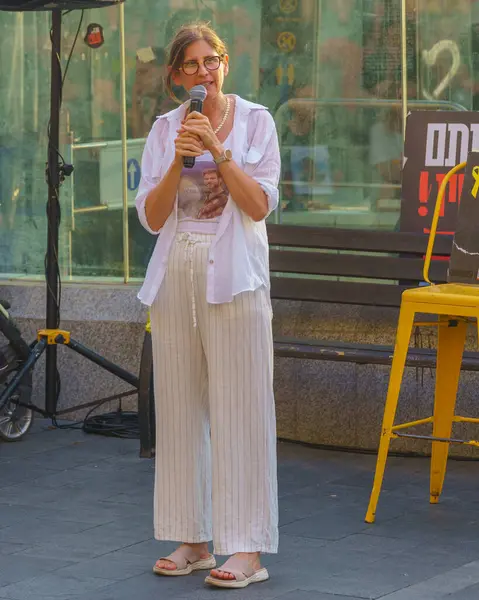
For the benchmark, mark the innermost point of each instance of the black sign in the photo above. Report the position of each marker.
(436, 141)
(464, 264)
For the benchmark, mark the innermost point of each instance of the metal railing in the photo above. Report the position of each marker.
(122, 205)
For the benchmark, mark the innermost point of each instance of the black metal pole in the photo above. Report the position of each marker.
(53, 212)
(104, 363)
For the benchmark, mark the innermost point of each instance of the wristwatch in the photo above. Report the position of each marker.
(225, 157)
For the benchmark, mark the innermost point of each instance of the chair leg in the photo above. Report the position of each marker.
(450, 348)
(405, 325)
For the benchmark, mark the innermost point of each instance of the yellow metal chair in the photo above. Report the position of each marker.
(454, 305)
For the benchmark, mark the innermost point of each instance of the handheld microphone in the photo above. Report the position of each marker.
(197, 94)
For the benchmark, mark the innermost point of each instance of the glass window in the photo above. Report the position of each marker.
(23, 139)
(92, 124)
(330, 71)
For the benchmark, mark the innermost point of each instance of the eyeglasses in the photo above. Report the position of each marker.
(211, 63)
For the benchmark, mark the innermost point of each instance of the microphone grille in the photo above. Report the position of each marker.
(198, 92)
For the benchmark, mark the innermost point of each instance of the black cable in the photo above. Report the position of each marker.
(69, 426)
(73, 45)
(64, 75)
(119, 424)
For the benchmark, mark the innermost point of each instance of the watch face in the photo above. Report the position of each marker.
(228, 155)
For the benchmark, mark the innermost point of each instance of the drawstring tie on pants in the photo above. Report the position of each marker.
(190, 243)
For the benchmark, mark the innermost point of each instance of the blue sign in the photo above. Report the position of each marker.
(134, 174)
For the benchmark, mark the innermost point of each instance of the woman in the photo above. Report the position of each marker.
(208, 287)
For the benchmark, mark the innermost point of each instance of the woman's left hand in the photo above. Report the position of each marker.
(200, 125)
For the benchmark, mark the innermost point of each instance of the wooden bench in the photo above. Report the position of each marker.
(316, 265)
(394, 259)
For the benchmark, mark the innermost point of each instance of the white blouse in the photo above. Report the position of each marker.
(238, 255)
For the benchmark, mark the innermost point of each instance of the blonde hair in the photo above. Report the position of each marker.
(186, 35)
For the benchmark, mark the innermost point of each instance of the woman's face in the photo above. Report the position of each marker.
(212, 80)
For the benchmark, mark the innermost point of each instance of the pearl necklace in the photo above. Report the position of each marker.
(225, 116)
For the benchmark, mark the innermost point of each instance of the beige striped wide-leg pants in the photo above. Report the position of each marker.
(215, 418)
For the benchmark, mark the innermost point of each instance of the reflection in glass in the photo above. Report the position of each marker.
(339, 121)
(23, 144)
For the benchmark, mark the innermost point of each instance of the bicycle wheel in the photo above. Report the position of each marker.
(15, 420)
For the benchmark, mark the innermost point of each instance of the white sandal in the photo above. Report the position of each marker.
(243, 572)
(186, 561)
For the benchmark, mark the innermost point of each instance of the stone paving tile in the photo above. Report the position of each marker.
(62, 597)
(469, 593)
(114, 566)
(13, 570)
(431, 524)
(277, 585)
(311, 595)
(52, 498)
(291, 547)
(359, 574)
(94, 513)
(35, 531)
(85, 546)
(143, 587)
(368, 582)
(123, 463)
(15, 471)
(334, 523)
(149, 548)
(454, 584)
(52, 585)
(12, 548)
(76, 524)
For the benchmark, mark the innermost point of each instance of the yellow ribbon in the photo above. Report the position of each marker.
(148, 324)
(475, 189)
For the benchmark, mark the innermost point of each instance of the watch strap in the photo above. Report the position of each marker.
(224, 157)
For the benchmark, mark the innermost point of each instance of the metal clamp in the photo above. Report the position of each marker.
(54, 336)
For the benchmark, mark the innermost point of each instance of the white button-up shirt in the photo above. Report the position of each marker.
(238, 256)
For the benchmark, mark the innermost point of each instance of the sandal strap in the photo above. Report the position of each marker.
(182, 557)
(240, 568)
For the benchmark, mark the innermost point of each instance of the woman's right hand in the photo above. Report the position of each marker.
(187, 144)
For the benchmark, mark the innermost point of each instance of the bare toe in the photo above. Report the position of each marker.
(219, 574)
(166, 564)
(251, 558)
